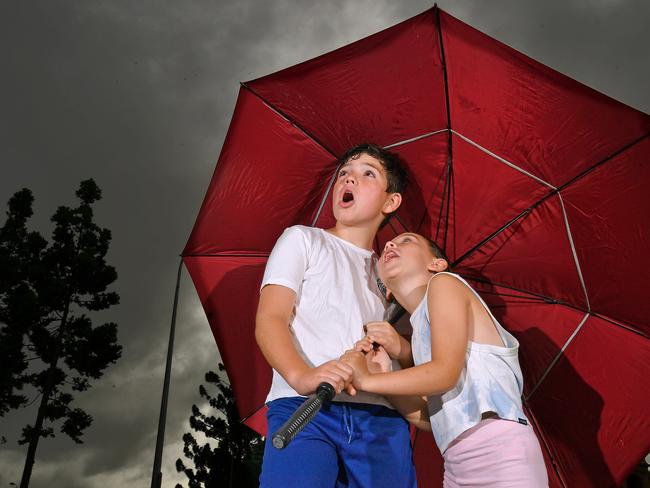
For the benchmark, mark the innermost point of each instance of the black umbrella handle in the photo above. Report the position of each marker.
(303, 415)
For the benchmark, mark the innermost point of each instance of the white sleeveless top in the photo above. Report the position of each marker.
(491, 380)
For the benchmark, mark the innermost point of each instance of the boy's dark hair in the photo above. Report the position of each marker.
(392, 163)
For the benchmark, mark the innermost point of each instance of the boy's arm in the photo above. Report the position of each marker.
(275, 340)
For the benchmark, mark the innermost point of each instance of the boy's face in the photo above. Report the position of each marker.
(359, 194)
(408, 254)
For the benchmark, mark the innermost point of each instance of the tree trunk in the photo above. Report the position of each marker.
(33, 442)
(40, 417)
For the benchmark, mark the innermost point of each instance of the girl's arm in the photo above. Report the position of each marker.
(413, 408)
(449, 314)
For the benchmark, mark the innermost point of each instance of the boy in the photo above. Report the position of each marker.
(319, 288)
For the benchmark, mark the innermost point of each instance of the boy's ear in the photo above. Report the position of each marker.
(438, 265)
(392, 203)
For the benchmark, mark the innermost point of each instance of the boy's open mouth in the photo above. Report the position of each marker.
(348, 197)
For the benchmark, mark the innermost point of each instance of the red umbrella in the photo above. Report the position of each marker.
(533, 183)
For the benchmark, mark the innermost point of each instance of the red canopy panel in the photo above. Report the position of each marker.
(369, 90)
(270, 175)
(228, 288)
(486, 194)
(608, 211)
(427, 458)
(596, 442)
(527, 317)
(527, 113)
(533, 254)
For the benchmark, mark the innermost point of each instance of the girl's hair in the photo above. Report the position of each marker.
(436, 251)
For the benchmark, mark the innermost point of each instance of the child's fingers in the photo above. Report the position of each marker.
(363, 345)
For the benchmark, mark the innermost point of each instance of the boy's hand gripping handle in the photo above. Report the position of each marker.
(310, 407)
(303, 415)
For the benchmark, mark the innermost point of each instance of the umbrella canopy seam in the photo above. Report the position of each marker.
(603, 161)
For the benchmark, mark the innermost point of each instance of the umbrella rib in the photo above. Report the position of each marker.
(444, 198)
(444, 69)
(326, 195)
(494, 234)
(573, 251)
(416, 138)
(558, 355)
(450, 153)
(290, 120)
(546, 299)
(542, 436)
(504, 161)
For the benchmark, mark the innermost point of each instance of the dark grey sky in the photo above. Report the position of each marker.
(138, 95)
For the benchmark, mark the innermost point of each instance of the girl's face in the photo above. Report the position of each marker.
(405, 255)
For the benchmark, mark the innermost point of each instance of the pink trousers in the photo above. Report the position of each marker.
(495, 453)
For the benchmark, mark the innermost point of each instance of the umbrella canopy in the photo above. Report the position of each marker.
(534, 184)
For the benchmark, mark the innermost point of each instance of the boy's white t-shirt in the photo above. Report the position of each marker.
(336, 294)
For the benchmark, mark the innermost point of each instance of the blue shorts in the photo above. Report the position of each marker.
(345, 445)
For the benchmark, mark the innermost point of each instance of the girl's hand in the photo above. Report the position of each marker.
(378, 361)
(385, 335)
(364, 345)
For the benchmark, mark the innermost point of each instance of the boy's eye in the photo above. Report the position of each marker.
(342, 173)
(369, 173)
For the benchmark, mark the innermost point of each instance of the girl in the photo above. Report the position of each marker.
(466, 369)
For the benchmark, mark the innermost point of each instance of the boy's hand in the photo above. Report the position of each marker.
(357, 360)
(336, 373)
(385, 335)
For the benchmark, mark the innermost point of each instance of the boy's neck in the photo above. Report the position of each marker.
(360, 236)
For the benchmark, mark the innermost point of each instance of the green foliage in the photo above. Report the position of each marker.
(20, 251)
(47, 340)
(235, 459)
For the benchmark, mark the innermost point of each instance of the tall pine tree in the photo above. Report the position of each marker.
(43, 312)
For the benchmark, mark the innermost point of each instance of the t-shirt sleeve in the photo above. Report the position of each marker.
(288, 260)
